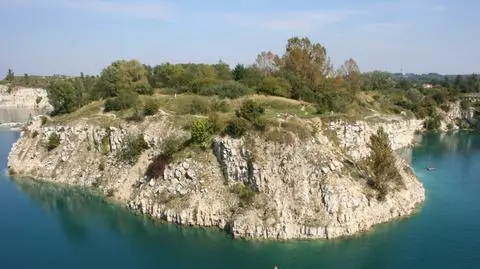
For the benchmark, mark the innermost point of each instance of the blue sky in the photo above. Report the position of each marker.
(73, 36)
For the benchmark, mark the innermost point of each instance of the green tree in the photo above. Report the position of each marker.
(307, 60)
(239, 72)
(382, 163)
(351, 74)
(378, 81)
(223, 71)
(167, 75)
(62, 97)
(275, 86)
(123, 76)
(10, 76)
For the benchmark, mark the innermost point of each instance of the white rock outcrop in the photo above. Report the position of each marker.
(306, 189)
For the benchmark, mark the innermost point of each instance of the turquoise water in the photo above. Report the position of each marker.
(42, 226)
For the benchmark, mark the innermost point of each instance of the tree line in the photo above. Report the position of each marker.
(304, 72)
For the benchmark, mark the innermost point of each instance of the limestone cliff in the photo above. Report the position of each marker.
(19, 104)
(309, 188)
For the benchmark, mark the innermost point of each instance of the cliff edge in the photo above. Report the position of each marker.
(252, 187)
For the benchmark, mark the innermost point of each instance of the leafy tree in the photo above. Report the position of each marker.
(167, 75)
(378, 81)
(62, 97)
(307, 60)
(10, 76)
(351, 73)
(123, 76)
(223, 71)
(267, 63)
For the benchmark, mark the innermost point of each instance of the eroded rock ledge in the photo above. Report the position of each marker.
(307, 189)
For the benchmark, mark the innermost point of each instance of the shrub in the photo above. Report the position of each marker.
(199, 106)
(43, 120)
(433, 124)
(172, 145)
(449, 126)
(137, 116)
(201, 131)
(216, 123)
(237, 127)
(245, 193)
(125, 100)
(106, 144)
(34, 134)
(230, 89)
(150, 107)
(220, 106)
(382, 163)
(132, 148)
(250, 111)
(101, 166)
(53, 141)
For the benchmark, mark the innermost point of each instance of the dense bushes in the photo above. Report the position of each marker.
(382, 164)
(150, 107)
(132, 148)
(125, 100)
(201, 131)
(245, 193)
(250, 111)
(237, 127)
(53, 141)
(228, 89)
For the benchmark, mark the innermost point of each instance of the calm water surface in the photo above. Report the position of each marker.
(42, 226)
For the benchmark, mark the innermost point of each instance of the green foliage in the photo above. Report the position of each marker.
(239, 72)
(250, 111)
(277, 86)
(53, 141)
(62, 97)
(199, 106)
(382, 163)
(237, 127)
(132, 148)
(43, 120)
(106, 144)
(125, 100)
(433, 124)
(150, 107)
(228, 89)
(123, 76)
(201, 131)
(245, 193)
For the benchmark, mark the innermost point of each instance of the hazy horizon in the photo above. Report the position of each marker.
(70, 36)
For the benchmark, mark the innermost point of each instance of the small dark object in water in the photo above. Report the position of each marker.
(430, 168)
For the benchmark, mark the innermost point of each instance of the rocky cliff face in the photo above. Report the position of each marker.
(354, 137)
(20, 103)
(309, 188)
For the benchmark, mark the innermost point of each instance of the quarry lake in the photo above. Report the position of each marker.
(44, 226)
